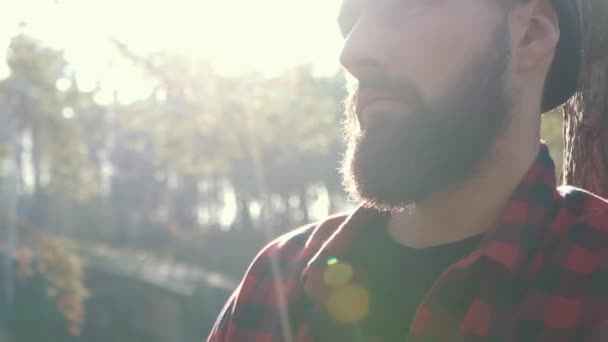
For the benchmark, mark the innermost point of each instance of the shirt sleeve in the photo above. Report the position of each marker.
(220, 330)
(251, 306)
(250, 311)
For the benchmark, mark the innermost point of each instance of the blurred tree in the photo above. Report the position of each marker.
(586, 116)
(52, 156)
(287, 129)
(270, 137)
(52, 168)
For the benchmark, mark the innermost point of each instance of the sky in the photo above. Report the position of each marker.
(267, 36)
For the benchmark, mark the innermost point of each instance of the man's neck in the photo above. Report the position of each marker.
(470, 208)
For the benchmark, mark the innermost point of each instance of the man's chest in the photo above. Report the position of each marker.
(484, 303)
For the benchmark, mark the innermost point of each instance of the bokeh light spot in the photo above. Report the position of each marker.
(349, 304)
(338, 275)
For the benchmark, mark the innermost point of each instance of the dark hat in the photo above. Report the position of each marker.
(562, 80)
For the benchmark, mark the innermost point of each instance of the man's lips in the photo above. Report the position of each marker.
(368, 97)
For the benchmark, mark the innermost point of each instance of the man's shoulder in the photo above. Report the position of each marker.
(269, 284)
(573, 195)
(307, 237)
(582, 218)
(298, 245)
(584, 206)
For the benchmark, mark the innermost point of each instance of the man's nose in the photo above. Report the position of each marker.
(365, 47)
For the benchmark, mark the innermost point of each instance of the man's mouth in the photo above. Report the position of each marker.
(375, 101)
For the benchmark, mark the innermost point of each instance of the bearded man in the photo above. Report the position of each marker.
(461, 233)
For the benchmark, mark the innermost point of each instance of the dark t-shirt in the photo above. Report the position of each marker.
(397, 278)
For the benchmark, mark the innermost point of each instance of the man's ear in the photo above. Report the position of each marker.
(539, 35)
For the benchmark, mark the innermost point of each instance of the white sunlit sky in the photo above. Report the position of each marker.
(234, 36)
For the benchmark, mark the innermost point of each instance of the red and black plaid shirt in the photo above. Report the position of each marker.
(541, 274)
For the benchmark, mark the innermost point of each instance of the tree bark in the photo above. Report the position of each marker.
(586, 114)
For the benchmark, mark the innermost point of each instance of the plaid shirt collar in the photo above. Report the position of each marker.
(509, 243)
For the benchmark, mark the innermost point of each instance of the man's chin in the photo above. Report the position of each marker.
(391, 201)
(379, 182)
(387, 207)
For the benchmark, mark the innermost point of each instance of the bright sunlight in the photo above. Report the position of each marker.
(234, 36)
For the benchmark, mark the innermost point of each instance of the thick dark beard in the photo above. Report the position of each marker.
(398, 160)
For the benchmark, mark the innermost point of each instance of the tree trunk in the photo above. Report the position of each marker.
(36, 209)
(186, 204)
(586, 115)
(304, 206)
(244, 221)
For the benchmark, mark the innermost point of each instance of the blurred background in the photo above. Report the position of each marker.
(149, 149)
